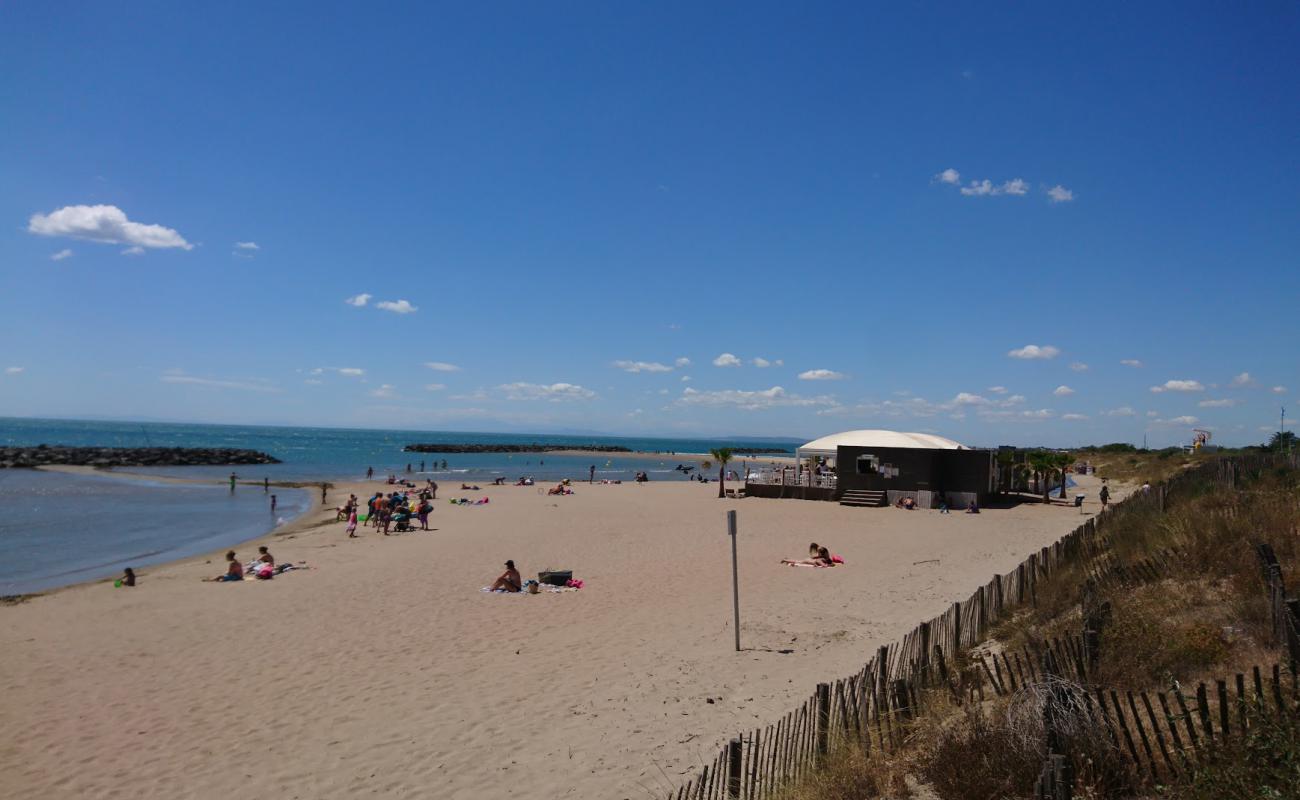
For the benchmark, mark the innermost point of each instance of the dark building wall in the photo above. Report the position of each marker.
(965, 471)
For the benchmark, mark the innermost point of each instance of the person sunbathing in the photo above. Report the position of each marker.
(559, 489)
(819, 557)
(234, 569)
(509, 580)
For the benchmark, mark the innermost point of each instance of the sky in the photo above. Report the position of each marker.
(1003, 223)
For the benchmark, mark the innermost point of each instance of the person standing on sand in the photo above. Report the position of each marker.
(591, 476)
(370, 473)
(1104, 496)
(352, 524)
(324, 487)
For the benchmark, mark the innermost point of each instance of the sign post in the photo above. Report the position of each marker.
(735, 575)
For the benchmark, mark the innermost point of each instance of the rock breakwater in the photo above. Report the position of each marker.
(512, 448)
(52, 454)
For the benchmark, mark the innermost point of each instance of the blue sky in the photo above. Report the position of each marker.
(881, 204)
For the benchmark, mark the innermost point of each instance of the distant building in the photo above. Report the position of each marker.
(878, 467)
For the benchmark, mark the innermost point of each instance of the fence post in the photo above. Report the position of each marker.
(823, 718)
(956, 627)
(733, 768)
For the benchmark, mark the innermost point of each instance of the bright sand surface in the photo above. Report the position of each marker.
(383, 670)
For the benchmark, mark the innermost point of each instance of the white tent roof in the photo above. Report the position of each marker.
(875, 438)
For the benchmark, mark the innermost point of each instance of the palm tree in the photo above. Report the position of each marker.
(722, 455)
(1006, 466)
(1043, 463)
(1063, 460)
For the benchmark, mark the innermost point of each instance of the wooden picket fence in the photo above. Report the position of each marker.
(873, 708)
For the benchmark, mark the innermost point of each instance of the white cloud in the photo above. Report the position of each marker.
(1131, 362)
(62, 254)
(1033, 351)
(682, 362)
(1153, 413)
(1079, 366)
(246, 246)
(1184, 420)
(1278, 390)
(385, 390)
(1243, 379)
(1060, 194)
(950, 176)
(1074, 417)
(397, 306)
(998, 389)
(434, 387)
(750, 400)
(441, 366)
(986, 188)
(133, 251)
(213, 383)
(1013, 400)
(106, 224)
(821, 375)
(1179, 386)
(1042, 413)
(554, 392)
(1226, 403)
(1063, 391)
(642, 366)
(359, 300)
(15, 370)
(686, 379)
(726, 360)
(351, 372)
(761, 363)
(1122, 411)
(968, 399)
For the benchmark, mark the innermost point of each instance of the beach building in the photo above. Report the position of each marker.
(879, 467)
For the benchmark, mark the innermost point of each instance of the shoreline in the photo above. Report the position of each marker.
(207, 556)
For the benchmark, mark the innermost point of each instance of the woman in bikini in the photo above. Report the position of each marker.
(509, 580)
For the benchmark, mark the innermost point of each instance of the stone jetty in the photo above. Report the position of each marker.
(51, 454)
(512, 448)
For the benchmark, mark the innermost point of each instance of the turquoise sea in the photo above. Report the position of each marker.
(57, 529)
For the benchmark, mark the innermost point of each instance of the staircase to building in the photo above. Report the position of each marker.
(863, 498)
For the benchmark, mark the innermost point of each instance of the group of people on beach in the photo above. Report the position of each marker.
(395, 509)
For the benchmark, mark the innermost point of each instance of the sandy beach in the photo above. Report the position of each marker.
(384, 670)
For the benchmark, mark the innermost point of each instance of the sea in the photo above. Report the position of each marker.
(58, 529)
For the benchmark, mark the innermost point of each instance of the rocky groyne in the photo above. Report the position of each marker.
(447, 447)
(52, 454)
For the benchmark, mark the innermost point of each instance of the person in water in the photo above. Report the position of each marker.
(234, 570)
(509, 580)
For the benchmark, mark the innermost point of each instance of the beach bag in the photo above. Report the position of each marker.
(266, 572)
(555, 577)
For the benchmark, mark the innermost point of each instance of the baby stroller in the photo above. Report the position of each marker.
(402, 523)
